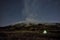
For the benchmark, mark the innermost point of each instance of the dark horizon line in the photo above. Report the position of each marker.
(32, 23)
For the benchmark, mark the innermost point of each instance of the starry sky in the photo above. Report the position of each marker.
(12, 11)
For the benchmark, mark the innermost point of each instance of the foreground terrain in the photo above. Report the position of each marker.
(30, 32)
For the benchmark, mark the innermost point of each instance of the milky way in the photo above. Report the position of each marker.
(44, 11)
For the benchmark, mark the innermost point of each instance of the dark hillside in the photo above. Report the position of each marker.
(30, 32)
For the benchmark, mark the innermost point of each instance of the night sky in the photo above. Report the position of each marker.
(12, 11)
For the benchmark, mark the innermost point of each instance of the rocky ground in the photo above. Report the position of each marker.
(31, 32)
